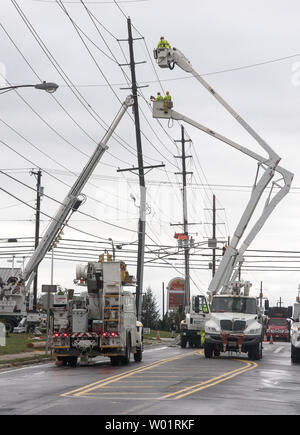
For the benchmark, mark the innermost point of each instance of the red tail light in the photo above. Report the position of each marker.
(56, 335)
(105, 334)
(65, 335)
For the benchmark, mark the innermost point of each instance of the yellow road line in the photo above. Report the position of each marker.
(210, 382)
(90, 387)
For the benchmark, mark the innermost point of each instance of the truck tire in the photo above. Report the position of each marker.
(72, 360)
(294, 356)
(126, 358)
(208, 351)
(255, 353)
(10, 324)
(114, 360)
(183, 342)
(138, 356)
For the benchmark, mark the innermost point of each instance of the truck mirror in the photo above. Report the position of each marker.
(290, 311)
(266, 304)
(197, 304)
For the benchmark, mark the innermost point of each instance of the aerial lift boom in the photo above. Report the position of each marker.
(227, 272)
(72, 200)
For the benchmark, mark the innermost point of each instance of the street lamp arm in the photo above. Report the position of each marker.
(44, 86)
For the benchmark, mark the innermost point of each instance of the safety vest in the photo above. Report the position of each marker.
(168, 98)
(159, 98)
(163, 44)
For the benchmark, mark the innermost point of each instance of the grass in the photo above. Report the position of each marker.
(153, 332)
(16, 343)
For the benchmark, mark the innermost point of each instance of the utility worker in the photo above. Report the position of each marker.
(168, 96)
(163, 43)
(159, 97)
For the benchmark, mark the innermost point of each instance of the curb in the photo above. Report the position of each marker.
(24, 363)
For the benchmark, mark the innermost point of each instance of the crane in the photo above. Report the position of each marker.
(227, 271)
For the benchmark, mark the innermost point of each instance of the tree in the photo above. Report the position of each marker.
(150, 311)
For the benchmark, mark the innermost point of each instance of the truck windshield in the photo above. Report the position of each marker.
(233, 305)
(278, 322)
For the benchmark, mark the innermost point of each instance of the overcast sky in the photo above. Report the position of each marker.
(215, 36)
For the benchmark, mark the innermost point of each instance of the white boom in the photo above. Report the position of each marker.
(225, 274)
(72, 200)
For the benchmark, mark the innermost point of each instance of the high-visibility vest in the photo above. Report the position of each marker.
(168, 98)
(163, 44)
(159, 98)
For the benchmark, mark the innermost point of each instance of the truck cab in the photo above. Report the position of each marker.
(235, 324)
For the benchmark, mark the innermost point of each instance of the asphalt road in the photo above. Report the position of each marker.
(170, 380)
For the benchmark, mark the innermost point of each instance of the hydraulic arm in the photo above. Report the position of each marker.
(225, 274)
(72, 200)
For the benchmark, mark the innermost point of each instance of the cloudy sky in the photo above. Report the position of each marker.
(248, 51)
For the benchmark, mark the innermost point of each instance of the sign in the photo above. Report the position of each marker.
(49, 288)
(176, 293)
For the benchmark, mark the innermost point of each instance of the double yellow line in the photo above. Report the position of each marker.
(99, 384)
(210, 382)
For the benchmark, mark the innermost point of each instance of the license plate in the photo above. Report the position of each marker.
(232, 343)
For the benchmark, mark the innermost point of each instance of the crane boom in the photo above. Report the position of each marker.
(72, 200)
(168, 58)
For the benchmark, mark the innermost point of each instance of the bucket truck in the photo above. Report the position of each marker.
(235, 322)
(295, 332)
(14, 294)
(106, 324)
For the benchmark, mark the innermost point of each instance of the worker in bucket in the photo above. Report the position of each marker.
(163, 43)
(168, 96)
(159, 97)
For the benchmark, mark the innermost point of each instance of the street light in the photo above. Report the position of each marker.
(44, 86)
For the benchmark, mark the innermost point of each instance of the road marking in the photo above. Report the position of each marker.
(95, 385)
(158, 348)
(278, 349)
(210, 382)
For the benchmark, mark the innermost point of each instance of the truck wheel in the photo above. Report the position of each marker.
(208, 351)
(294, 356)
(126, 357)
(114, 360)
(9, 325)
(62, 359)
(138, 355)
(72, 361)
(217, 352)
(183, 342)
(255, 353)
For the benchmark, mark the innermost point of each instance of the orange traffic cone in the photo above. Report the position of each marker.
(158, 335)
(271, 339)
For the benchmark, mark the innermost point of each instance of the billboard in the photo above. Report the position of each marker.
(176, 293)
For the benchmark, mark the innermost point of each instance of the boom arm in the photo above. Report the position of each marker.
(72, 201)
(170, 57)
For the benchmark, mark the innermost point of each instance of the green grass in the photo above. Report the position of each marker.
(153, 332)
(16, 343)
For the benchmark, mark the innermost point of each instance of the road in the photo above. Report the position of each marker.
(169, 381)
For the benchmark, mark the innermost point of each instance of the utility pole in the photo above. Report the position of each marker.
(261, 294)
(141, 174)
(184, 174)
(212, 243)
(163, 301)
(214, 236)
(39, 193)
